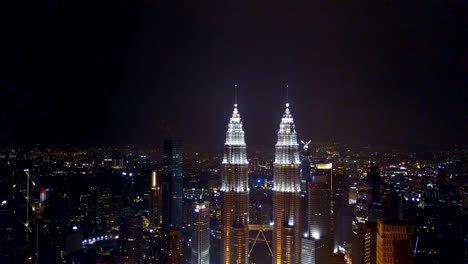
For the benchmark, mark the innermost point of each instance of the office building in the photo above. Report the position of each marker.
(286, 194)
(308, 250)
(318, 217)
(201, 233)
(235, 194)
(172, 189)
(364, 246)
(155, 200)
(394, 242)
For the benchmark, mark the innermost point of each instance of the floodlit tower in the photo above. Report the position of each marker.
(286, 194)
(201, 233)
(394, 242)
(155, 199)
(235, 194)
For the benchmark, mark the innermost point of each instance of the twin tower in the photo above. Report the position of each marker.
(286, 194)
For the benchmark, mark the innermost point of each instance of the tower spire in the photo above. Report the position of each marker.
(286, 192)
(235, 94)
(235, 193)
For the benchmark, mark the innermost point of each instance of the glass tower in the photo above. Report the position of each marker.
(201, 233)
(172, 191)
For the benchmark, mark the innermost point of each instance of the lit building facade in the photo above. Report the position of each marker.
(155, 200)
(308, 250)
(394, 243)
(318, 217)
(305, 166)
(201, 233)
(235, 194)
(286, 194)
(364, 244)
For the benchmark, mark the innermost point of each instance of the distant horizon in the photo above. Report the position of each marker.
(410, 147)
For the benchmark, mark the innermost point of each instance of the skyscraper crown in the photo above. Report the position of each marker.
(235, 133)
(235, 147)
(287, 146)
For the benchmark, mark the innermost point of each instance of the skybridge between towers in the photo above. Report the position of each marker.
(260, 231)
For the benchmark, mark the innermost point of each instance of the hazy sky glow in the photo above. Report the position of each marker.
(93, 72)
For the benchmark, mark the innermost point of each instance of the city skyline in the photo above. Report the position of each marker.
(234, 210)
(122, 139)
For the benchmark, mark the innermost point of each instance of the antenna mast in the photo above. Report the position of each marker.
(235, 94)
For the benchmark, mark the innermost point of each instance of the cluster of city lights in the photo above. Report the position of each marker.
(93, 240)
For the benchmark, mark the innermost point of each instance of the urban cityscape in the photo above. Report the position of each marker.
(302, 203)
(184, 132)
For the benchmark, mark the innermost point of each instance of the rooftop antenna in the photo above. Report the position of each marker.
(287, 94)
(306, 144)
(235, 94)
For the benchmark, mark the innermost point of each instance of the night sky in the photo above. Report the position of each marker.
(131, 72)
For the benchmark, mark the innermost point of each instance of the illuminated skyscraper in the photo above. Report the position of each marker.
(364, 246)
(286, 194)
(155, 199)
(394, 242)
(235, 194)
(201, 233)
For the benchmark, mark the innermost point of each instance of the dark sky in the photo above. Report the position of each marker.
(126, 72)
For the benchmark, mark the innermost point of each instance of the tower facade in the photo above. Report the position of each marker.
(394, 242)
(286, 194)
(365, 243)
(155, 200)
(201, 233)
(172, 202)
(235, 194)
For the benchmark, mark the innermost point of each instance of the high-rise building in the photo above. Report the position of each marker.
(172, 189)
(128, 195)
(104, 208)
(201, 233)
(308, 250)
(155, 200)
(235, 194)
(365, 244)
(318, 208)
(305, 165)
(174, 247)
(286, 194)
(132, 239)
(343, 227)
(305, 179)
(318, 218)
(394, 242)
